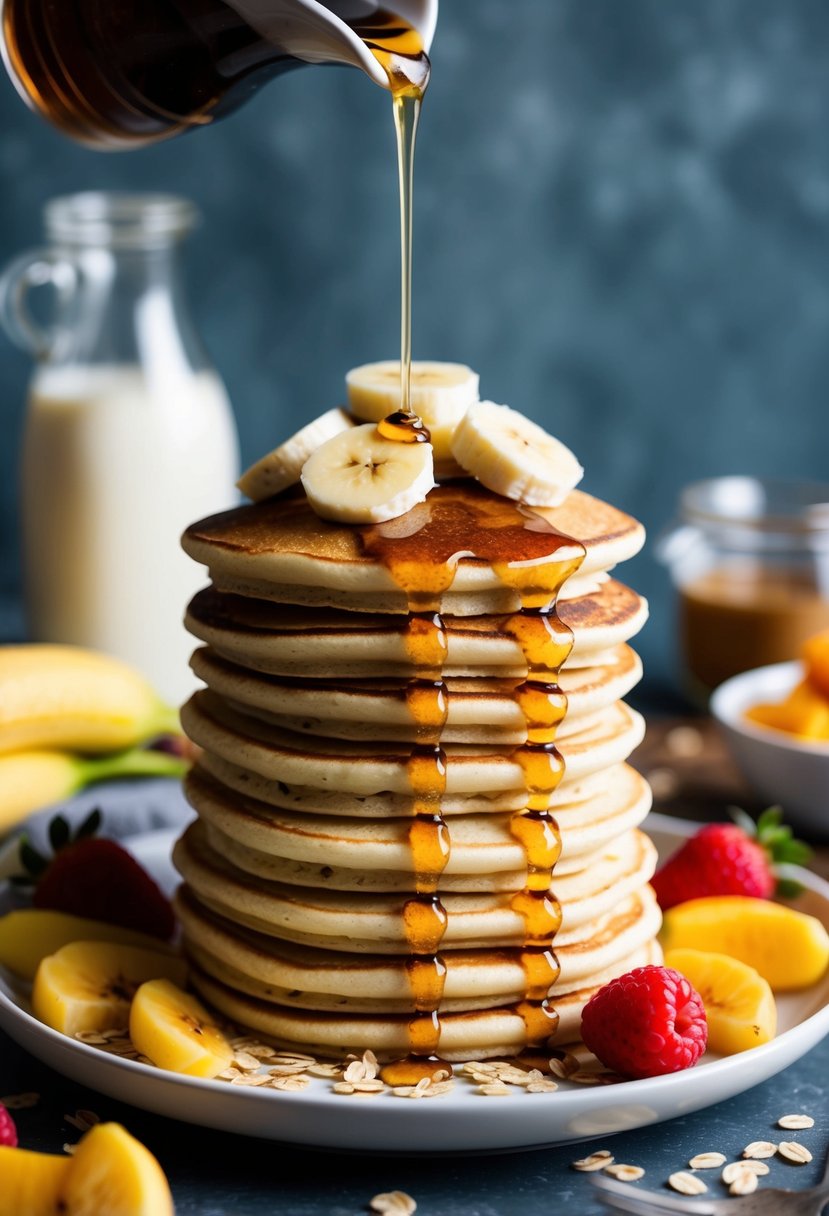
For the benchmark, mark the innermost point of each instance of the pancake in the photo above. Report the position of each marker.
(321, 642)
(479, 710)
(479, 1034)
(281, 550)
(322, 979)
(383, 858)
(319, 850)
(372, 922)
(352, 768)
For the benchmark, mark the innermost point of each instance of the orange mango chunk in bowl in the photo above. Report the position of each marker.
(805, 711)
(788, 948)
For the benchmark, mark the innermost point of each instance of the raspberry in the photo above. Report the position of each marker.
(648, 1022)
(8, 1132)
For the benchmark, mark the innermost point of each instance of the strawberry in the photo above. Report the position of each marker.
(96, 878)
(648, 1022)
(730, 859)
(8, 1132)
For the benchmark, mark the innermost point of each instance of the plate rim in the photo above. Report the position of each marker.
(646, 1094)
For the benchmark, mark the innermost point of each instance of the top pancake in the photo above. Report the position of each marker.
(281, 550)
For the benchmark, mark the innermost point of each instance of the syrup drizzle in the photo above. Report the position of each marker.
(399, 50)
(421, 551)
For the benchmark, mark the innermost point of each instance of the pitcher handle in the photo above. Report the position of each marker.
(38, 268)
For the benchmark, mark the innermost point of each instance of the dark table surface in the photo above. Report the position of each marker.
(221, 1174)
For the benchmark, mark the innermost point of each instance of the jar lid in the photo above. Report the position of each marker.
(794, 509)
(121, 221)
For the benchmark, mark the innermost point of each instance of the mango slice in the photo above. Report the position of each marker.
(113, 1173)
(739, 1003)
(31, 1183)
(788, 948)
(816, 658)
(89, 986)
(28, 935)
(176, 1032)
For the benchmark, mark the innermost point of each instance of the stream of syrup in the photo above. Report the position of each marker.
(399, 50)
(421, 551)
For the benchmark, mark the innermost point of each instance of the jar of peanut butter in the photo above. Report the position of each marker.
(750, 561)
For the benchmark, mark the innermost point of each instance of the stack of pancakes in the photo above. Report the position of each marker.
(299, 868)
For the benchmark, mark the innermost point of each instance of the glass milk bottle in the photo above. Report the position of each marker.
(129, 434)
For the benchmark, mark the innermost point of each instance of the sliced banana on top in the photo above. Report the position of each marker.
(359, 477)
(440, 395)
(513, 456)
(281, 467)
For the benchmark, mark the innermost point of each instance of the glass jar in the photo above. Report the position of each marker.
(129, 434)
(750, 561)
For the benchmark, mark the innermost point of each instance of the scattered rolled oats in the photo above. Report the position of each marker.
(598, 1076)
(599, 1160)
(737, 1168)
(707, 1161)
(625, 1173)
(325, 1070)
(545, 1085)
(364, 1069)
(251, 1079)
(292, 1084)
(70, 1149)
(743, 1183)
(245, 1061)
(798, 1154)
(393, 1203)
(494, 1089)
(685, 742)
(686, 1184)
(20, 1101)
(342, 1087)
(760, 1148)
(564, 1067)
(795, 1122)
(83, 1119)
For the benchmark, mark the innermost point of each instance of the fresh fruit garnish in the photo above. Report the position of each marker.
(31, 1183)
(805, 711)
(738, 1002)
(281, 467)
(112, 1173)
(359, 477)
(35, 779)
(788, 948)
(89, 986)
(514, 456)
(77, 700)
(29, 935)
(440, 395)
(8, 1131)
(176, 1032)
(646, 1023)
(97, 879)
(730, 859)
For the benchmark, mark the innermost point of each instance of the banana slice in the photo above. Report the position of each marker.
(513, 456)
(175, 1031)
(441, 395)
(358, 477)
(281, 467)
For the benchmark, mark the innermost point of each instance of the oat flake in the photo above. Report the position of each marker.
(596, 1161)
(798, 1154)
(625, 1173)
(795, 1122)
(707, 1161)
(393, 1203)
(686, 1184)
(760, 1148)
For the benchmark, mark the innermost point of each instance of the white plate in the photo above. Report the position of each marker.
(461, 1121)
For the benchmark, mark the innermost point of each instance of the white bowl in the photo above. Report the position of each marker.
(782, 768)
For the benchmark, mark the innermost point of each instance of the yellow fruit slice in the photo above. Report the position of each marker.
(739, 1003)
(88, 986)
(112, 1173)
(30, 934)
(176, 1032)
(31, 1183)
(788, 948)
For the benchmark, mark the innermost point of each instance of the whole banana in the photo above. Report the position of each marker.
(74, 699)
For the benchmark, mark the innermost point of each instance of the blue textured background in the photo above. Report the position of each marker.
(622, 221)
